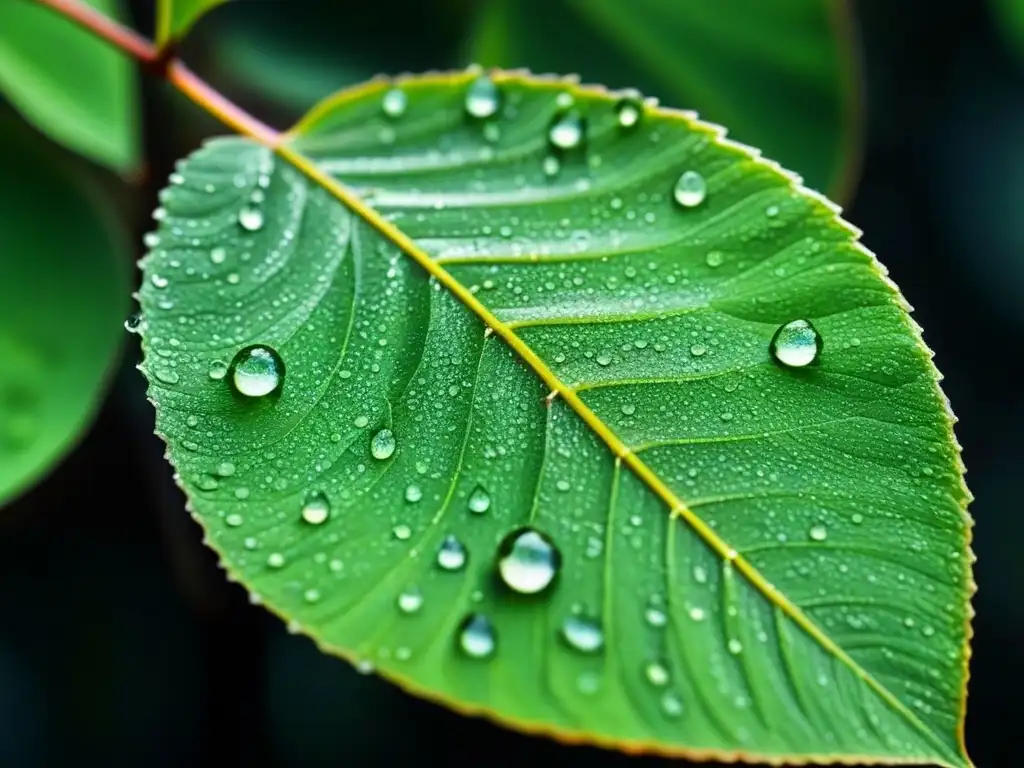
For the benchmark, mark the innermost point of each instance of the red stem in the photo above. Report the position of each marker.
(173, 70)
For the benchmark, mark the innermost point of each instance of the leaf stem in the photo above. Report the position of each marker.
(171, 69)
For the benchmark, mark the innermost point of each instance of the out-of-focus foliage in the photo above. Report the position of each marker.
(74, 87)
(176, 17)
(778, 74)
(63, 298)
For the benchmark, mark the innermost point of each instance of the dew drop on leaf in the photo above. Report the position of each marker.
(395, 102)
(583, 634)
(656, 674)
(225, 469)
(316, 508)
(629, 110)
(551, 166)
(796, 344)
(402, 532)
(567, 130)
(690, 189)
(528, 561)
(218, 370)
(275, 560)
(218, 255)
(479, 500)
(483, 98)
(250, 218)
(671, 704)
(382, 444)
(413, 494)
(134, 323)
(818, 533)
(477, 638)
(451, 555)
(257, 371)
(714, 259)
(410, 600)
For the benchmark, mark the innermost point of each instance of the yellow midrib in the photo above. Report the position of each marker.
(676, 505)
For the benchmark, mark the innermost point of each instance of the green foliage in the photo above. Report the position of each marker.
(175, 18)
(1009, 17)
(63, 298)
(73, 87)
(743, 511)
(778, 74)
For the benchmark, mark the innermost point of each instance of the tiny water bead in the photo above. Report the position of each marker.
(316, 508)
(818, 532)
(796, 344)
(382, 444)
(483, 98)
(567, 130)
(134, 323)
(395, 102)
(218, 370)
(583, 634)
(451, 555)
(413, 494)
(250, 218)
(257, 371)
(479, 500)
(656, 674)
(690, 189)
(629, 110)
(410, 600)
(477, 638)
(528, 561)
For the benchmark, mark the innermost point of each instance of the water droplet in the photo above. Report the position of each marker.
(628, 409)
(316, 509)
(218, 255)
(275, 560)
(483, 98)
(583, 634)
(410, 601)
(382, 444)
(735, 646)
(551, 165)
(528, 561)
(402, 532)
(819, 533)
(477, 638)
(857, 518)
(655, 616)
(697, 614)
(134, 323)
(690, 190)
(218, 370)
(714, 259)
(413, 494)
(671, 704)
(159, 281)
(698, 349)
(360, 421)
(395, 102)
(629, 110)
(588, 683)
(604, 360)
(250, 219)
(656, 674)
(567, 130)
(479, 500)
(257, 371)
(225, 469)
(451, 555)
(167, 375)
(234, 520)
(796, 344)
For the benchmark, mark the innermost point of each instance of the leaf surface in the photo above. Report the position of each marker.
(750, 560)
(72, 86)
(780, 75)
(63, 288)
(176, 17)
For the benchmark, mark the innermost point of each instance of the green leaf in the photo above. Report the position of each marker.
(774, 559)
(1009, 17)
(74, 87)
(778, 74)
(63, 288)
(176, 17)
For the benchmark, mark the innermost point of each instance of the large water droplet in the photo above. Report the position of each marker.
(410, 601)
(583, 634)
(479, 500)
(477, 638)
(257, 371)
(796, 344)
(250, 218)
(568, 130)
(451, 555)
(483, 98)
(690, 190)
(528, 561)
(316, 508)
(382, 444)
(395, 102)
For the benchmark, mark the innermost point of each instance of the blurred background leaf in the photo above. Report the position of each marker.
(76, 89)
(63, 299)
(1009, 18)
(176, 17)
(779, 75)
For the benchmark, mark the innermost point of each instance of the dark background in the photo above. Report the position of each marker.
(121, 644)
